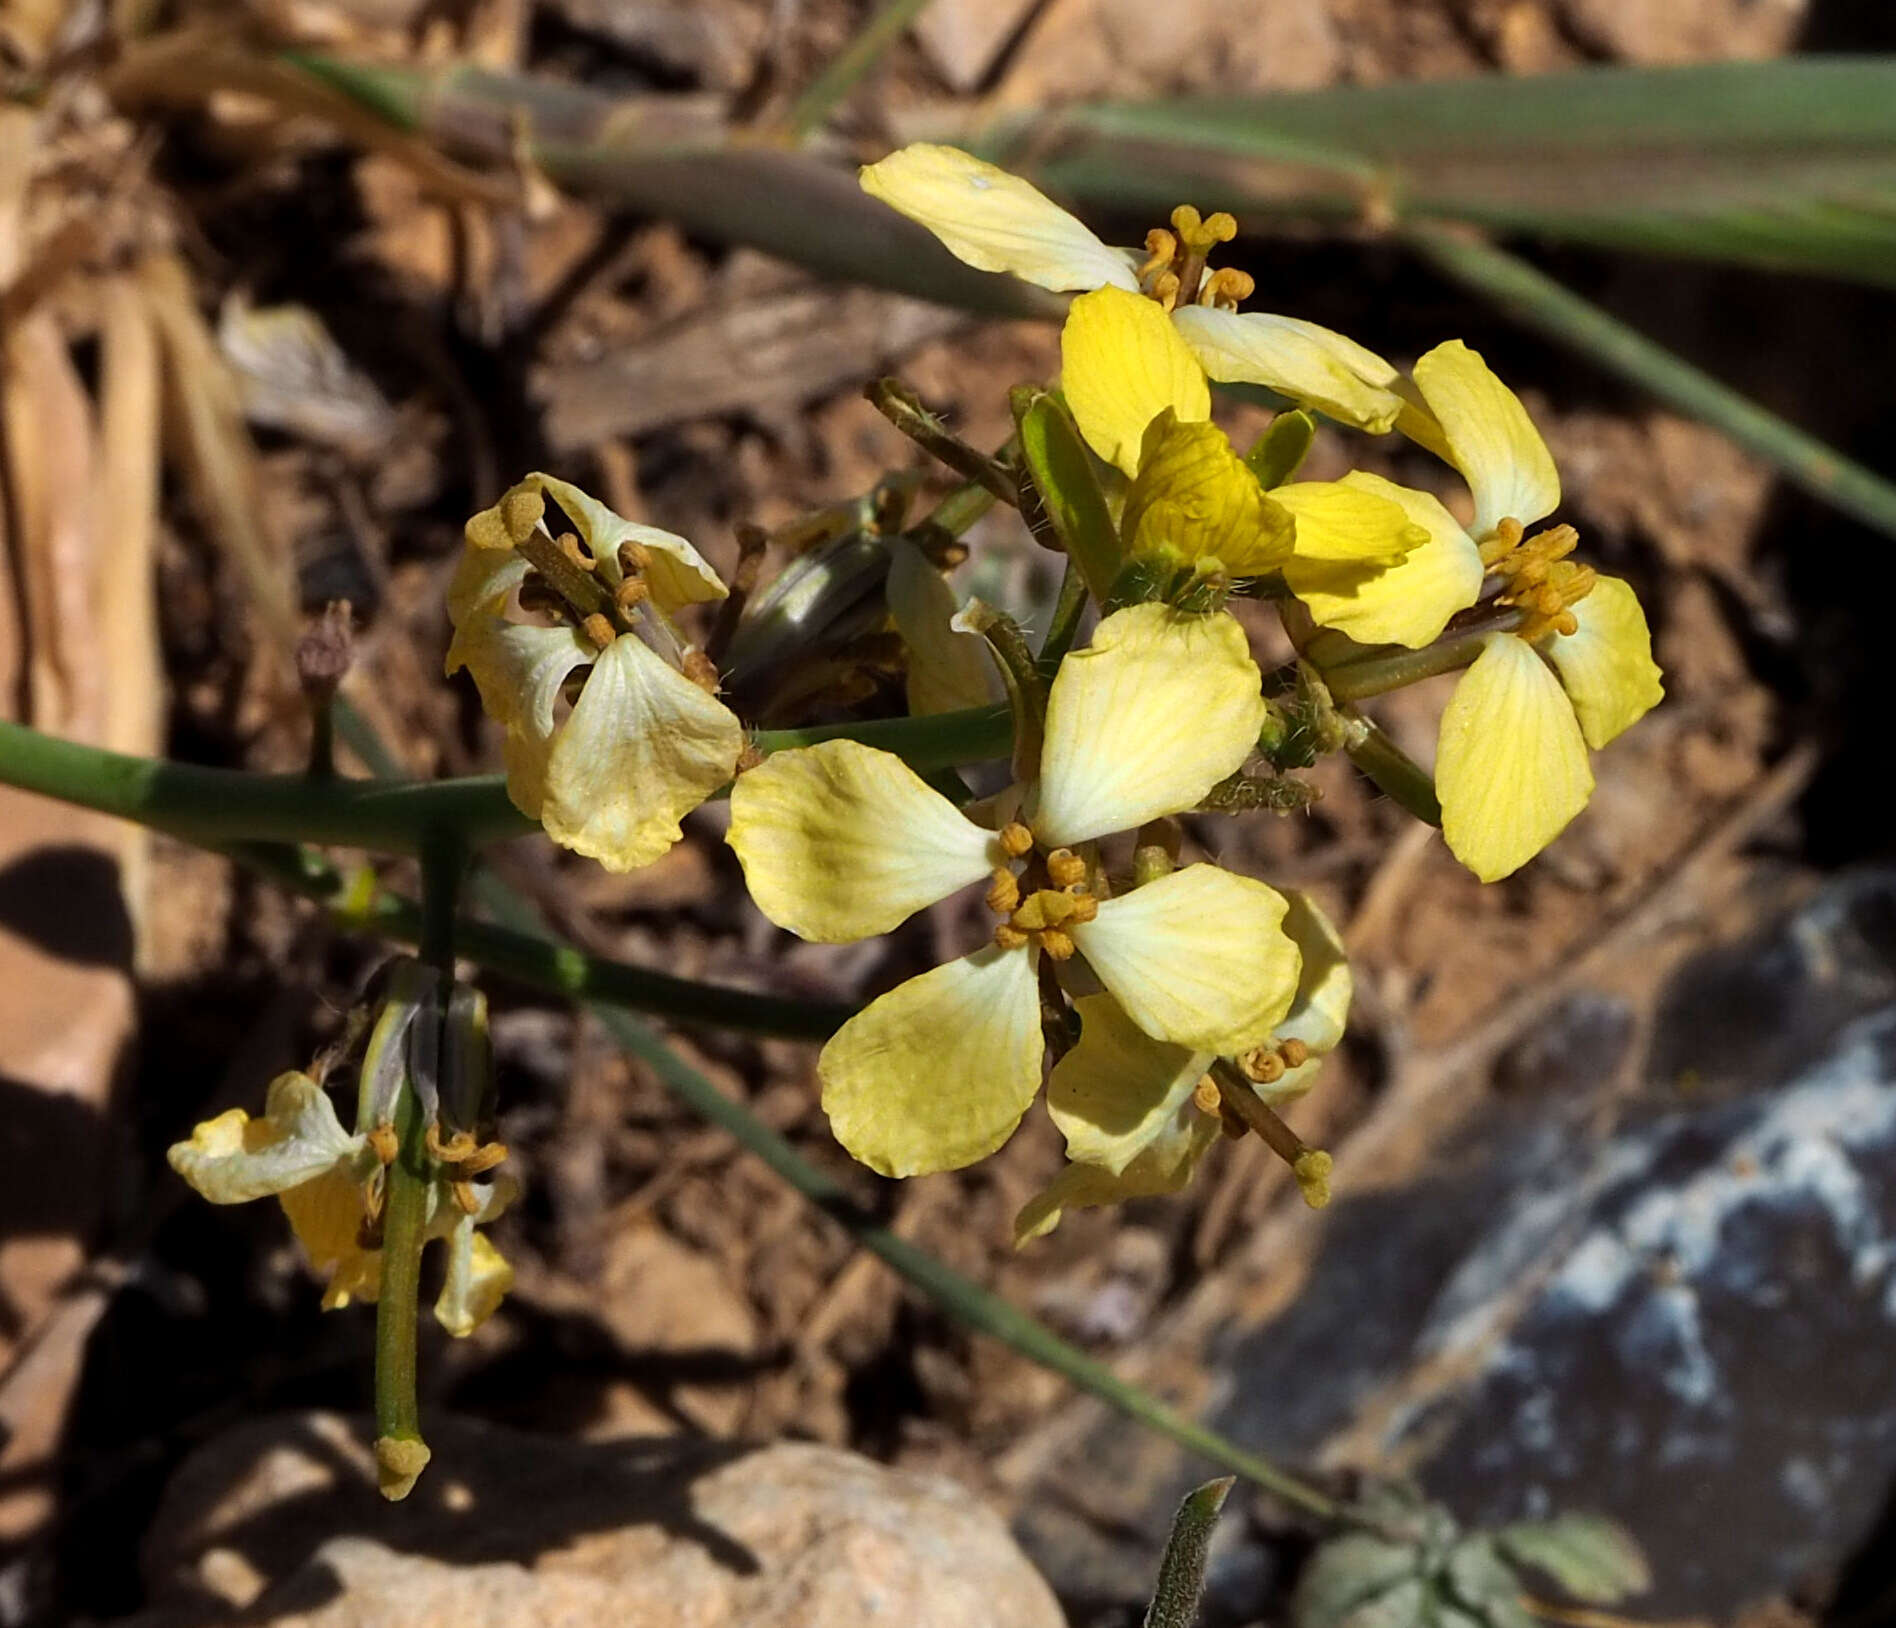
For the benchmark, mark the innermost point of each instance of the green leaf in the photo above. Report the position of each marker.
(1182, 1570)
(1592, 1557)
(1068, 485)
(1788, 164)
(1360, 1581)
(1477, 1579)
(1280, 449)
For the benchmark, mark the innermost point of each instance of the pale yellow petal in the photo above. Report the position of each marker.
(643, 747)
(1511, 768)
(1157, 710)
(1490, 438)
(1196, 496)
(677, 572)
(947, 669)
(1325, 987)
(937, 1073)
(841, 841)
(1199, 958)
(994, 221)
(1122, 363)
(477, 1280)
(519, 670)
(1607, 666)
(484, 578)
(234, 1158)
(327, 1216)
(1165, 1166)
(1118, 1088)
(1312, 366)
(1408, 603)
(1340, 521)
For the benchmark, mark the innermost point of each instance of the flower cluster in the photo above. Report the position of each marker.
(1177, 1000)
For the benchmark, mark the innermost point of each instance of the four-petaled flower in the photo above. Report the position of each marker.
(841, 842)
(1150, 327)
(1137, 1113)
(645, 740)
(329, 1184)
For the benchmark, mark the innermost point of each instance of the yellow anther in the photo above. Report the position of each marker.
(600, 630)
(484, 1158)
(1205, 1096)
(633, 558)
(385, 1143)
(1227, 287)
(466, 1200)
(1009, 938)
(1165, 289)
(1263, 1065)
(1161, 250)
(1065, 868)
(1555, 543)
(1505, 537)
(451, 1151)
(1085, 906)
(1294, 1052)
(1016, 839)
(1057, 944)
(572, 548)
(1003, 898)
(632, 592)
(701, 670)
(1566, 623)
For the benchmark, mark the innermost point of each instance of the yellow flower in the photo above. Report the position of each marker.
(642, 744)
(1127, 1103)
(324, 1177)
(840, 842)
(1150, 326)
(1511, 766)
(1195, 499)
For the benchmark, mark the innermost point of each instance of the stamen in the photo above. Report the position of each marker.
(1016, 840)
(1008, 938)
(1227, 288)
(1056, 944)
(701, 670)
(630, 594)
(1003, 898)
(1161, 251)
(1205, 1095)
(600, 630)
(1263, 1066)
(634, 558)
(385, 1143)
(1506, 536)
(1294, 1052)
(466, 1200)
(1065, 868)
(571, 547)
(1165, 289)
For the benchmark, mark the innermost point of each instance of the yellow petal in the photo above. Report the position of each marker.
(947, 669)
(994, 221)
(234, 1158)
(1195, 495)
(643, 747)
(1156, 711)
(841, 841)
(478, 1278)
(1198, 958)
(1165, 1166)
(1607, 666)
(1511, 768)
(1122, 363)
(1118, 1088)
(1407, 603)
(1490, 438)
(1325, 986)
(484, 578)
(1312, 366)
(519, 670)
(937, 1073)
(1340, 521)
(676, 571)
(327, 1214)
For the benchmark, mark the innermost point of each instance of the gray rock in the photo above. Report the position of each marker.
(278, 1523)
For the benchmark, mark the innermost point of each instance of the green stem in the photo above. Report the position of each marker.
(1065, 626)
(1358, 680)
(856, 59)
(400, 1452)
(1182, 1571)
(217, 806)
(1533, 298)
(903, 408)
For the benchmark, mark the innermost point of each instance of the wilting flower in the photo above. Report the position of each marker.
(1137, 1113)
(1511, 767)
(948, 669)
(645, 740)
(1149, 327)
(329, 1183)
(841, 842)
